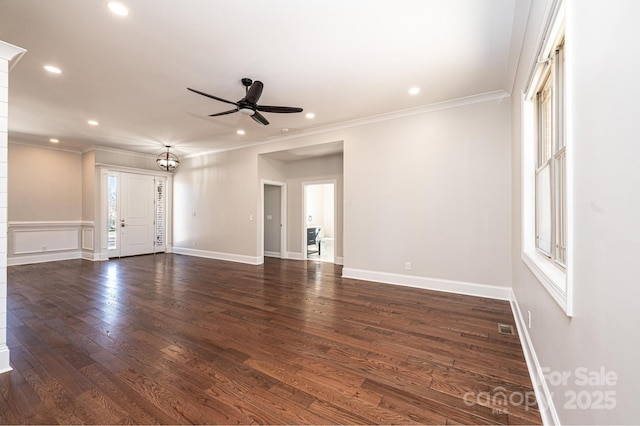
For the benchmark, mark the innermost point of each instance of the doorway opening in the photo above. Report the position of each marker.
(319, 221)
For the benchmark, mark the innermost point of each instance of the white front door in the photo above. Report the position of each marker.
(137, 214)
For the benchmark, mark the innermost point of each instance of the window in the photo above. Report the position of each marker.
(550, 181)
(546, 166)
(112, 215)
(159, 201)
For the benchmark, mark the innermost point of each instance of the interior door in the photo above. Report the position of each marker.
(272, 223)
(137, 214)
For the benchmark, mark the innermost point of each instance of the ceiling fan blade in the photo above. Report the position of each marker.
(260, 118)
(278, 109)
(231, 111)
(211, 96)
(254, 92)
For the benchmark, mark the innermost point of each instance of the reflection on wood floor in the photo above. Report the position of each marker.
(175, 339)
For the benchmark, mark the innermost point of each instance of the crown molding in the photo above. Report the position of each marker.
(120, 151)
(15, 141)
(438, 106)
(10, 53)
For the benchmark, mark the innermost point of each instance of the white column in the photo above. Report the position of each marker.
(8, 53)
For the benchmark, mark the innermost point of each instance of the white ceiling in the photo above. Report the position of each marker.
(340, 59)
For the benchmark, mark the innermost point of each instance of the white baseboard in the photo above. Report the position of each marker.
(218, 256)
(459, 287)
(543, 394)
(4, 359)
(44, 257)
(96, 256)
(92, 256)
(295, 255)
(275, 254)
(339, 260)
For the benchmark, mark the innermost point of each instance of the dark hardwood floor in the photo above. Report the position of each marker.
(174, 339)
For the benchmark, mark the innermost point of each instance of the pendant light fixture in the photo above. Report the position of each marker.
(167, 161)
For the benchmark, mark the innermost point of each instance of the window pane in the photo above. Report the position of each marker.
(159, 213)
(559, 90)
(561, 235)
(543, 209)
(112, 238)
(545, 123)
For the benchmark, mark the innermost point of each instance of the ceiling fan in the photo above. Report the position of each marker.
(249, 104)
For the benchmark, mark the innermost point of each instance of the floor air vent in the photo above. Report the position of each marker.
(506, 329)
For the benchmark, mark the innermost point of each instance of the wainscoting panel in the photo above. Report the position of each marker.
(87, 238)
(39, 241)
(31, 241)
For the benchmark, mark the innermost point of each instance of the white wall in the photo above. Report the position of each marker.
(329, 227)
(44, 184)
(54, 201)
(117, 157)
(315, 206)
(215, 204)
(297, 173)
(89, 188)
(603, 64)
(432, 188)
(45, 205)
(217, 200)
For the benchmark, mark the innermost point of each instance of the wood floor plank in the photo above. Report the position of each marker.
(159, 396)
(450, 407)
(356, 401)
(16, 393)
(53, 395)
(138, 411)
(336, 414)
(173, 339)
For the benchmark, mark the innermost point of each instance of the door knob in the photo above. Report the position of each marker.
(122, 223)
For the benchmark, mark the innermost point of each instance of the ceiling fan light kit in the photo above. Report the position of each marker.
(249, 104)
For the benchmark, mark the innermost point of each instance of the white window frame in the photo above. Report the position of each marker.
(552, 270)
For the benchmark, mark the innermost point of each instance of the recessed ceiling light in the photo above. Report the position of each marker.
(414, 90)
(54, 140)
(285, 130)
(240, 132)
(118, 8)
(92, 122)
(310, 115)
(52, 69)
